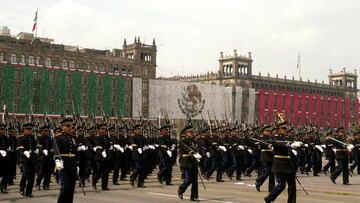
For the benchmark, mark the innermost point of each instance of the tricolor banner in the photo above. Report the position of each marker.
(35, 21)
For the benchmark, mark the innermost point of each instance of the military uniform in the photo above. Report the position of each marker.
(45, 158)
(342, 158)
(355, 153)
(165, 155)
(4, 159)
(66, 162)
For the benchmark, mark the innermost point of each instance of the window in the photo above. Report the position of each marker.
(2, 56)
(31, 60)
(38, 60)
(47, 62)
(71, 64)
(64, 64)
(22, 59)
(13, 58)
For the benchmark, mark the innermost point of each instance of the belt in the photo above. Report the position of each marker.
(67, 155)
(341, 150)
(185, 155)
(266, 150)
(281, 157)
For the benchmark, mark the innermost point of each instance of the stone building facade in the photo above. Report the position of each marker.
(35, 72)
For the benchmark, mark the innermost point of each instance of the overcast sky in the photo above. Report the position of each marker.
(191, 33)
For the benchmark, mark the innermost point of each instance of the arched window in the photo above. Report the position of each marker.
(22, 59)
(47, 62)
(13, 58)
(31, 60)
(64, 64)
(71, 64)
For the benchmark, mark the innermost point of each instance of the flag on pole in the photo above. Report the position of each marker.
(298, 62)
(35, 20)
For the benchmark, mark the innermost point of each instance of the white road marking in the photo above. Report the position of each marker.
(167, 195)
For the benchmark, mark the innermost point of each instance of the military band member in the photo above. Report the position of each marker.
(283, 166)
(27, 159)
(4, 159)
(188, 164)
(65, 160)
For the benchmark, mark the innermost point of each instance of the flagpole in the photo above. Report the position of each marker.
(37, 16)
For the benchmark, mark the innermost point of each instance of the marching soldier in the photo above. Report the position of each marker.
(45, 158)
(136, 145)
(266, 159)
(341, 157)
(355, 153)
(65, 160)
(81, 153)
(4, 158)
(102, 149)
(283, 167)
(165, 155)
(27, 153)
(13, 144)
(188, 164)
(329, 154)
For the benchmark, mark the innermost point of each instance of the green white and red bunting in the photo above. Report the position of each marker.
(35, 21)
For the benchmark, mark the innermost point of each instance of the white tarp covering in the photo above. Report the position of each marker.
(137, 97)
(174, 97)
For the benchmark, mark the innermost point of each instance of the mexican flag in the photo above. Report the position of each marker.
(35, 21)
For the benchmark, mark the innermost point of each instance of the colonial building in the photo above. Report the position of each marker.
(40, 76)
(334, 103)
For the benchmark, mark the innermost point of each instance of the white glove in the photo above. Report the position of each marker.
(306, 145)
(294, 152)
(77, 169)
(151, 147)
(250, 151)
(334, 150)
(27, 154)
(197, 156)
(323, 146)
(122, 150)
(103, 154)
(95, 148)
(241, 147)
(111, 148)
(296, 144)
(140, 151)
(81, 148)
(117, 147)
(319, 148)
(3, 153)
(173, 147)
(59, 165)
(350, 147)
(208, 154)
(130, 147)
(169, 153)
(156, 145)
(36, 151)
(45, 152)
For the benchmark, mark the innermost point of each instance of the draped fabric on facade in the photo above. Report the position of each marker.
(339, 114)
(44, 91)
(119, 96)
(270, 115)
(288, 105)
(303, 116)
(280, 101)
(295, 110)
(76, 85)
(26, 90)
(106, 95)
(92, 94)
(332, 111)
(60, 92)
(311, 108)
(261, 106)
(325, 115)
(7, 87)
(319, 107)
(347, 113)
(356, 110)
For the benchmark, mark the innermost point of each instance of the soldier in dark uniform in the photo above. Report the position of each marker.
(4, 158)
(102, 156)
(255, 154)
(188, 163)
(27, 158)
(283, 166)
(65, 160)
(125, 153)
(165, 155)
(329, 154)
(81, 152)
(216, 158)
(266, 159)
(12, 155)
(45, 158)
(355, 153)
(90, 143)
(341, 157)
(136, 144)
